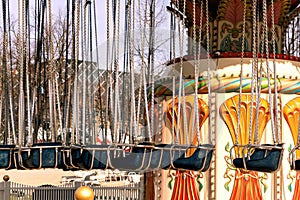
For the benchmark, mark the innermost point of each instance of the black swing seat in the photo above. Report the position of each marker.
(72, 157)
(161, 156)
(200, 160)
(42, 155)
(94, 156)
(260, 158)
(294, 163)
(7, 156)
(137, 158)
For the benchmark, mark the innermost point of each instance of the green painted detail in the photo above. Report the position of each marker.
(226, 185)
(290, 187)
(227, 147)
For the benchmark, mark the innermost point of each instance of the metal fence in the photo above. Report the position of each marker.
(16, 191)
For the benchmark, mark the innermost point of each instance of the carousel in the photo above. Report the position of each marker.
(218, 120)
(250, 87)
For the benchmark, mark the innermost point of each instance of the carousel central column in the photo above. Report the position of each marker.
(185, 185)
(227, 39)
(246, 184)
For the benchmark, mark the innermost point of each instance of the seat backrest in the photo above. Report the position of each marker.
(187, 110)
(229, 114)
(291, 112)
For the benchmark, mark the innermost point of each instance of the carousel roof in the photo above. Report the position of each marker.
(232, 10)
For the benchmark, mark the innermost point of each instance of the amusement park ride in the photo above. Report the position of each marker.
(239, 77)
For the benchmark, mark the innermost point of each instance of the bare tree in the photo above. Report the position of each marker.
(39, 72)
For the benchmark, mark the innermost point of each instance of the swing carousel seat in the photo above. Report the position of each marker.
(260, 158)
(294, 163)
(136, 158)
(7, 156)
(200, 160)
(72, 157)
(42, 155)
(146, 156)
(161, 156)
(94, 156)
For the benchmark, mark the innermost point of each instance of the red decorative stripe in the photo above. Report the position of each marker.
(236, 55)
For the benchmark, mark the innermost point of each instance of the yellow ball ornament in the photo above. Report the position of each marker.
(84, 193)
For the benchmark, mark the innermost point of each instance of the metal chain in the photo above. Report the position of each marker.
(66, 92)
(131, 68)
(20, 64)
(196, 65)
(51, 66)
(26, 51)
(74, 17)
(144, 66)
(241, 75)
(108, 74)
(141, 39)
(143, 83)
(132, 39)
(11, 102)
(74, 66)
(175, 139)
(84, 77)
(199, 136)
(117, 112)
(185, 123)
(58, 103)
(277, 122)
(152, 66)
(10, 90)
(194, 27)
(208, 74)
(118, 107)
(23, 65)
(76, 94)
(50, 91)
(111, 98)
(268, 68)
(254, 66)
(258, 81)
(259, 71)
(181, 36)
(6, 88)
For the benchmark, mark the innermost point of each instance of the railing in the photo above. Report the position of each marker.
(16, 191)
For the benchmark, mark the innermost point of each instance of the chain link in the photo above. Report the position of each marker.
(142, 58)
(76, 95)
(51, 66)
(196, 65)
(84, 82)
(277, 122)
(108, 73)
(185, 123)
(20, 64)
(254, 66)
(181, 37)
(265, 29)
(208, 73)
(199, 136)
(6, 82)
(237, 132)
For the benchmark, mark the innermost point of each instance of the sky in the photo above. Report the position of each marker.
(61, 5)
(101, 14)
